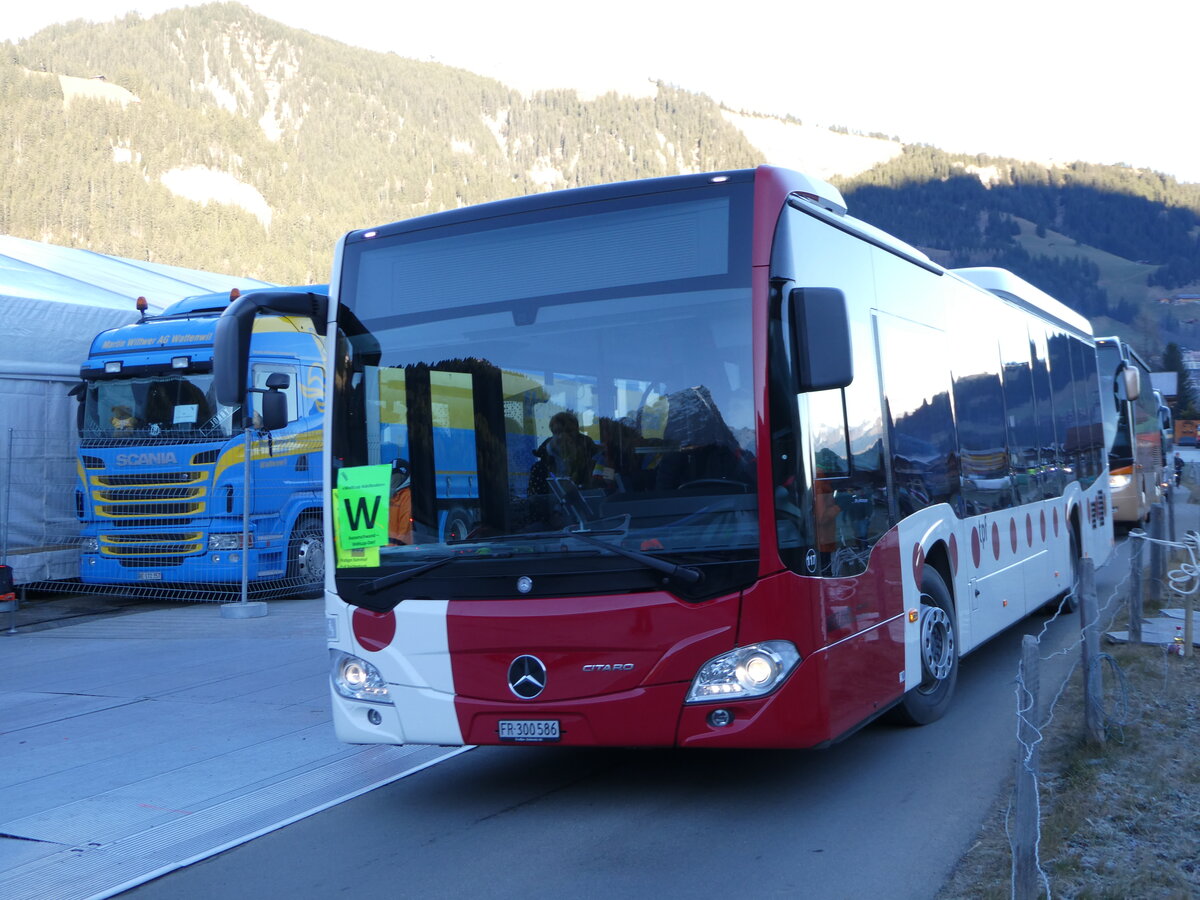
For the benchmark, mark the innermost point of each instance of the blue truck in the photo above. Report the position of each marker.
(161, 496)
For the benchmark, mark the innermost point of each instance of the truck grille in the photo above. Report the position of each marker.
(151, 550)
(150, 498)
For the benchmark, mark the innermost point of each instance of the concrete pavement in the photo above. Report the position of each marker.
(137, 738)
(134, 744)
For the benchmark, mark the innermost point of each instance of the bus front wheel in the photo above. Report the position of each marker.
(930, 699)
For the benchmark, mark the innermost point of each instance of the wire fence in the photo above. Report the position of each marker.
(1106, 692)
(161, 522)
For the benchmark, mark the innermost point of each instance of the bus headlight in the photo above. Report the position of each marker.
(356, 678)
(751, 671)
(1116, 482)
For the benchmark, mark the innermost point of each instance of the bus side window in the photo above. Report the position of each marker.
(924, 454)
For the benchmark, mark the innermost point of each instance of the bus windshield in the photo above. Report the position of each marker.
(556, 371)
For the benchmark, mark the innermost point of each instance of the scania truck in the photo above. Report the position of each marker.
(162, 469)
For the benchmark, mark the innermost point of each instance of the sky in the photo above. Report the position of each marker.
(1051, 80)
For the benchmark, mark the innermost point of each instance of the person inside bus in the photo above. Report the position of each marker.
(567, 453)
(400, 523)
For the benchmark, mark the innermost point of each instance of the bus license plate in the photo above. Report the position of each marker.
(529, 730)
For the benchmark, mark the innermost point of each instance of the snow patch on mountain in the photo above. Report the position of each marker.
(203, 185)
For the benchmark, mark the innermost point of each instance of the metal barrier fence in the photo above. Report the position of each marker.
(165, 526)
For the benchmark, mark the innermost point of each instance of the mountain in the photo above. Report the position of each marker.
(212, 137)
(1120, 246)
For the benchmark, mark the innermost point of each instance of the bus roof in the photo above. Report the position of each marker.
(1016, 289)
(1123, 347)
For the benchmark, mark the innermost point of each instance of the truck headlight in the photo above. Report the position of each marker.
(228, 541)
(751, 671)
(89, 545)
(356, 678)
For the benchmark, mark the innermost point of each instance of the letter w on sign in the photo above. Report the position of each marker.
(358, 500)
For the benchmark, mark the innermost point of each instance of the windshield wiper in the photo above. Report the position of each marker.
(387, 581)
(529, 536)
(686, 574)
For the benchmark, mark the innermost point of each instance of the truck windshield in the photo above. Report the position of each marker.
(587, 369)
(162, 407)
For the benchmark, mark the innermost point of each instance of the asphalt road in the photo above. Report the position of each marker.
(886, 813)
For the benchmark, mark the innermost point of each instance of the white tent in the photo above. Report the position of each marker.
(53, 301)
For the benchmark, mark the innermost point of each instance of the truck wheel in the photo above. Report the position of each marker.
(306, 556)
(458, 525)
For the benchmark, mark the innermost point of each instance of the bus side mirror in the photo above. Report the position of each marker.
(1131, 382)
(235, 327)
(820, 339)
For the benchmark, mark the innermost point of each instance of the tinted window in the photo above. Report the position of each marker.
(979, 410)
(921, 437)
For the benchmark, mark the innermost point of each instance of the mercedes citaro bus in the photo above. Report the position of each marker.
(750, 472)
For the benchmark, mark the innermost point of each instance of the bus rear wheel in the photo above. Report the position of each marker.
(930, 699)
(306, 556)
(1068, 600)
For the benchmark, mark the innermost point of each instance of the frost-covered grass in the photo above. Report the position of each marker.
(1119, 820)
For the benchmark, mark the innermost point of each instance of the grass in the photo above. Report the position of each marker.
(1119, 819)
(1122, 278)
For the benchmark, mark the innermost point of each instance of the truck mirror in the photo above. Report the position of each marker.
(278, 381)
(820, 339)
(274, 406)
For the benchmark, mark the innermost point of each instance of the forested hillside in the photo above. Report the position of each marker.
(212, 137)
(1106, 239)
(331, 137)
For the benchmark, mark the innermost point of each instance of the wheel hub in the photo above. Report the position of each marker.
(937, 642)
(310, 560)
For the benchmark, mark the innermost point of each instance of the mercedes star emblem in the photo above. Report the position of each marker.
(526, 677)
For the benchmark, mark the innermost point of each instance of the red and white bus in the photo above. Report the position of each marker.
(750, 472)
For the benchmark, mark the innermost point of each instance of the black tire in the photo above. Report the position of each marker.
(929, 700)
(458, 525)
(306, 556)
(1068, 600)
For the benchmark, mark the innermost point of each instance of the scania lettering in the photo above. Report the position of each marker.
(146, 459)
(750, 473)
(162, 463)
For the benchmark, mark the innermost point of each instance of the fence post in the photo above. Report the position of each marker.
(1158, 553)
(1135, 589)
(1171, 513)
(1025, 831)
(8, 467)
(1093, 687)
(1189, 630)
(244, 609)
